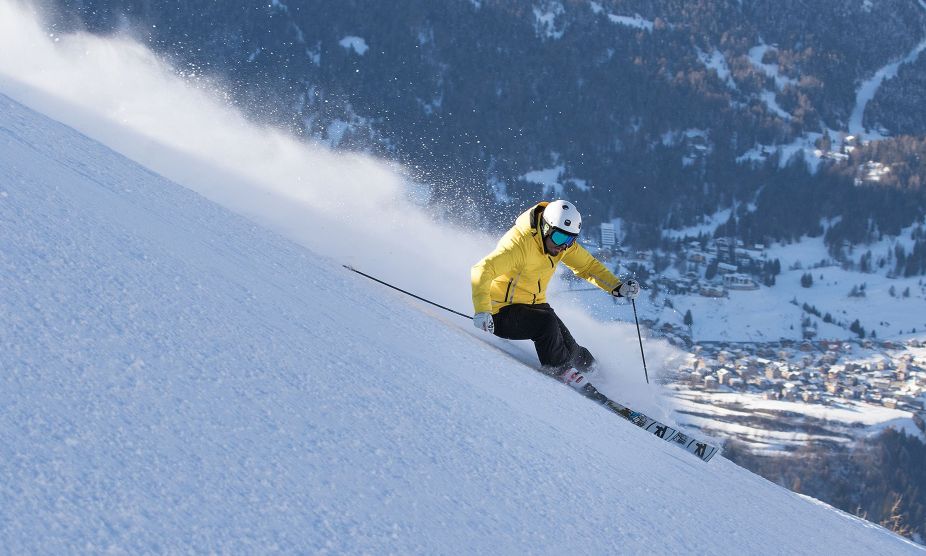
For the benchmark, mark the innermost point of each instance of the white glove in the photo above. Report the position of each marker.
(483, 321)
(629, 289)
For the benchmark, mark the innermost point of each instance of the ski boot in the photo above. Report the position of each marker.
(573, 378)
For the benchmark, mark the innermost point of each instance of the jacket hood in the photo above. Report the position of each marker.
(528, 223)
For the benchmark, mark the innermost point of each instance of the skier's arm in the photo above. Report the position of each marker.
(584, 265)
(501, 261)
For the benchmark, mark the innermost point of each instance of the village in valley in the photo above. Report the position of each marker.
(779, 397)
(848, 369)
(887, 373)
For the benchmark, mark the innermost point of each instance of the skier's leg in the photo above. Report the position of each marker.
(580, 357)
(584, 360)
(540, 324)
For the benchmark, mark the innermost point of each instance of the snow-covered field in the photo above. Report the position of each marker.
(779, 426)
(888, 305)
(178, 378)
(891, 307)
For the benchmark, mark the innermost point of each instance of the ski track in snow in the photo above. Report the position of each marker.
(176, 379)
(869, 88)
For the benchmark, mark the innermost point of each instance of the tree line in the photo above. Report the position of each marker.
(881, 479)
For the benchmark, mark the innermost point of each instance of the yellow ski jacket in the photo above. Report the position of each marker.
(519, 269)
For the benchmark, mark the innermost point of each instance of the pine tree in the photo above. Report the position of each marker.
(711, 271)
(895, 520)
(688, 319)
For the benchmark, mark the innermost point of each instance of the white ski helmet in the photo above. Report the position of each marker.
(561, 215)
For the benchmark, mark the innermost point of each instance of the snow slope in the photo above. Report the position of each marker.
(176, 378)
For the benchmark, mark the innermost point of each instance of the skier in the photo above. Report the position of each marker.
(510, 283)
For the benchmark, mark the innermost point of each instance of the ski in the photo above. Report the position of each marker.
(692, 445)
(702, 450)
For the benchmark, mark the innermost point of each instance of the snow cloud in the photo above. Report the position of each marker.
(349, 208)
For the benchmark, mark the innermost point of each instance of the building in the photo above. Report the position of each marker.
(726, 268)
(738, 281)
(710, 290)
(608, 237)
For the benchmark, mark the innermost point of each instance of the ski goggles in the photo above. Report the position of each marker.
(562, 239)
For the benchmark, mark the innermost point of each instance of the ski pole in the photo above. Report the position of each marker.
(640, 338)
(352, 269)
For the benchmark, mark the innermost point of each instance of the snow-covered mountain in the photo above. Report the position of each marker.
(178, 377)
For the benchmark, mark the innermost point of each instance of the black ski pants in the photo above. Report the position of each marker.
(556, 347)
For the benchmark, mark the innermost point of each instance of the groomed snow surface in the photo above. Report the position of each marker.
(176, 378)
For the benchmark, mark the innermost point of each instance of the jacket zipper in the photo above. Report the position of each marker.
(539, 288)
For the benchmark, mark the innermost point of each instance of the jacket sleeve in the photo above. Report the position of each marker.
(580, 261)
(503, 260)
